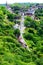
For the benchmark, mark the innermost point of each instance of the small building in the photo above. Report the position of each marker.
(30, 12)
(40, 7)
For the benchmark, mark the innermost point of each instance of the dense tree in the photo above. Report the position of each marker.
(17, 32)
(34, 38)
(39, 13)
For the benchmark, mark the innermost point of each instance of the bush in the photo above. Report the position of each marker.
(28, 36)
(17, 32)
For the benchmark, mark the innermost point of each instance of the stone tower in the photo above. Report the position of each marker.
(7, 5)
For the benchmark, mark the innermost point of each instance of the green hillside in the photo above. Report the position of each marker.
(11, 51)
(34, 38)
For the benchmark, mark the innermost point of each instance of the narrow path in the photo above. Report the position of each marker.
(22, 27)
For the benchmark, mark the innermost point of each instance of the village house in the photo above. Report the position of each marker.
(40, 7)
(30, 11)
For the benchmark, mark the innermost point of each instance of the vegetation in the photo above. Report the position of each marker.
(13, 16)
(34, 38)
(39, 13)
(17, 7)
(11, 51)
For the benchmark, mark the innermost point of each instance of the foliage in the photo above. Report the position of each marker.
(13, 17)
(11, 51)
(17, 32)
(34, 38)
(39, 13)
